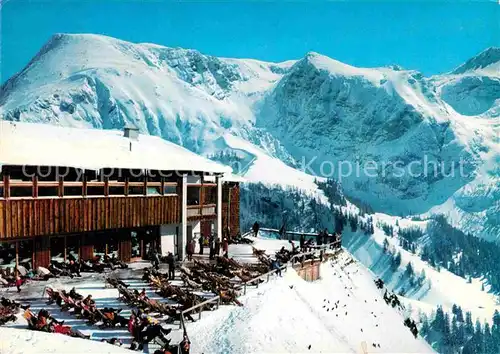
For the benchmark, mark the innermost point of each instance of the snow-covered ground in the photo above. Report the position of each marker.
(335, 314)
(21, 341)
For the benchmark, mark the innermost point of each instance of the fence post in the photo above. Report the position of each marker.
(257, 283)
(244, 288)
(199, 314)
(180, 321)
(218, 302)
(268, 277)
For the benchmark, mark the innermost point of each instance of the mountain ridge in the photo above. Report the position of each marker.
(314, 107)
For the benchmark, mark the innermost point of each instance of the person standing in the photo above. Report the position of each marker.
(325, 237)
(255, 228)
(171, 266)
(211, 247)
(217, 247)
(276, 266)
(190, 249)
(225, 245)
(319, 238)
(19, 282)
(302, 242)
(200, 241)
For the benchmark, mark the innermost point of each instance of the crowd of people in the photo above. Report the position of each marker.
(44, 322)
(71, 268)
(143, 327)
(85, 308)
(214, 244)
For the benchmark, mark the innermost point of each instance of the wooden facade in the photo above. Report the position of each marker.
(231, 208)
(22, 218)
(93, 210)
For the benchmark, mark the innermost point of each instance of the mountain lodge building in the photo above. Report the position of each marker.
(76, 193)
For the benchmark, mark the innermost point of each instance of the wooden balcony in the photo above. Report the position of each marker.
(27, 217)
(198, 212)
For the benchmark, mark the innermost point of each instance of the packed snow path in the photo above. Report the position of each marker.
(335, 314)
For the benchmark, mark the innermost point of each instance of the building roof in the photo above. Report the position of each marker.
(231, 177)
(47, 145)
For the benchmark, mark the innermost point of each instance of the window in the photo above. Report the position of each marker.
(99, 242)
(210, 195)
(170, 190)
(47, 191)
(116, 190)
(98, 191)
(193, 195)
(154, 190)
(113, 245)
(136, 245)
(21, 192)
(7, 254)
(73, 191)
(25, 250)
(73, 247)
(136, 190)
(57, 249)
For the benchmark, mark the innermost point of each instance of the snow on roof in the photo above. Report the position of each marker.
(231, 177)
(48, 145)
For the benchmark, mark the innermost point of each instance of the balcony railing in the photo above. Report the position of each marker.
(199, 211)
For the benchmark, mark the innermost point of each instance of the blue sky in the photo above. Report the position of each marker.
(432, 37)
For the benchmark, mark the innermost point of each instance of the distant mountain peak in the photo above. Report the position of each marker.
(485, 59)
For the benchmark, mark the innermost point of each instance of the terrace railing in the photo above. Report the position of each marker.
(199, 306)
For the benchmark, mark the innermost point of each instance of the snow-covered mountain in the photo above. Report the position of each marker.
(275, 116)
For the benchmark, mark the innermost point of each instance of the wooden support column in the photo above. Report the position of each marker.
(201, 196)
(42, 252)
(6, 185)
(84, 185)
(125, 190)
(182, 237)
(145, 192)
(125, 246)
(35, 186)
(162, 192)
(60, 189)
(86, 247)
(106, 186)
(218, 225)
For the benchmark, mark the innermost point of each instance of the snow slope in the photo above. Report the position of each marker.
(23, 341)
(332, 315)
(278, 115)
(441, 287)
